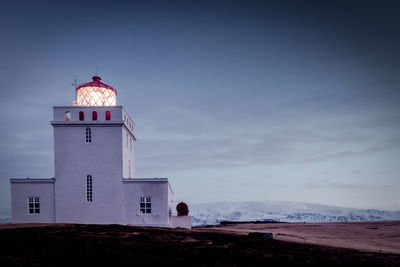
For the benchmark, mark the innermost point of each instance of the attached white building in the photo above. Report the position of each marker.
(94, 144)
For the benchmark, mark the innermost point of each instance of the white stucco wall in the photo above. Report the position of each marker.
(128, 147)
(182, 222)
(75, 159)
(158, 190)
(116, 114)
(170, 203)
(21, 190)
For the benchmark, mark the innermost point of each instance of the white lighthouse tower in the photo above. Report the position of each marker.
(93, 150)
(94, 180)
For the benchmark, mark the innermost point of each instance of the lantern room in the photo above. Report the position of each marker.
(95, 93)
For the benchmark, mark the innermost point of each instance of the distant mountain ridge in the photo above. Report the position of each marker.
(282, 211)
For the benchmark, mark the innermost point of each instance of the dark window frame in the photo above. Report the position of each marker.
(88, 135)
(34, 205)
(145, 205)
(94, 115)
(89, 188)
(67, 115)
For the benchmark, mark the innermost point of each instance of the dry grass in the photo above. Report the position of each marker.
(366, 236)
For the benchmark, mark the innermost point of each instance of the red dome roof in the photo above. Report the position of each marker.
(96, 83)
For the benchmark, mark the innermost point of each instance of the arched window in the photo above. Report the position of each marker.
(108, 115)
(94, 115)
(89, 188)
(67, 115)
(88, 135)
(81, 116)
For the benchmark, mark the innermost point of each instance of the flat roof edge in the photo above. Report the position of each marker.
(145, 179)
(119, 106)
(118, 123)
(32, 180)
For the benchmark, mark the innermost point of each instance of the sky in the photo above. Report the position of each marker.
(232, 100)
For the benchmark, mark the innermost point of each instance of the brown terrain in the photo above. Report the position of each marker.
(365, 236)
(317, 244)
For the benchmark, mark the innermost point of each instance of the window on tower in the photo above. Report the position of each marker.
(81, 116)
(89, 188)
(145, 205)
(88, 135)
(94, 115)
(108, 115)
(33, 205)
(67, 116)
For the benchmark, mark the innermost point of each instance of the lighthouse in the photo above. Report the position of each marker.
(94, 182)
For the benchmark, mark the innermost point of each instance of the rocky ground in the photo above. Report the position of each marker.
(114, 245)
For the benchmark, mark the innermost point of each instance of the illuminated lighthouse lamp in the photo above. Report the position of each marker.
(95, 93)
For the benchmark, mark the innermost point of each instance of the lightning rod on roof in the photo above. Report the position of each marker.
(75, 85)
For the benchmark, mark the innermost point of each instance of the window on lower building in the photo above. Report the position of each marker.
(33, 205)
(89, 188)
(145, 205)
(94, 115)
(88, 135)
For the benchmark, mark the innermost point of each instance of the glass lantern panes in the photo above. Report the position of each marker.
(96, 96)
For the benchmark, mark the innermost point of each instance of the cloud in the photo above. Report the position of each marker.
(227, 147)
(359, 187)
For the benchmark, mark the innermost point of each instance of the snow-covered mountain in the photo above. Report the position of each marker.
(214, 213)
